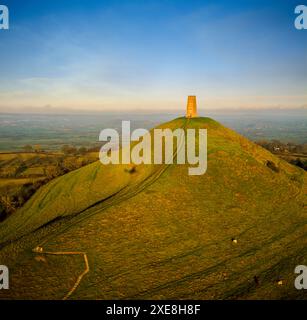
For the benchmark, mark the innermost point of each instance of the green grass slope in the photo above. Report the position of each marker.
(160, 233)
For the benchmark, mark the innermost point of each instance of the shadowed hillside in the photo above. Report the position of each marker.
(160, 233)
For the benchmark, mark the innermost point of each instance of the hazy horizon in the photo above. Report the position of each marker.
(56, 110)
(53, 130)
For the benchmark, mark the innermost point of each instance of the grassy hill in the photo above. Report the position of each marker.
(160, 233)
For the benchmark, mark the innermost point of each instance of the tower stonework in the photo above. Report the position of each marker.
(191, 107)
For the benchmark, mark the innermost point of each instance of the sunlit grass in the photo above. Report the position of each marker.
(160, 233)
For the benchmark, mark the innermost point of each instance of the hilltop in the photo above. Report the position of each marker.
(159, 233)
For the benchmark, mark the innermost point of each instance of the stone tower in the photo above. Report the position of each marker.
(191, 107)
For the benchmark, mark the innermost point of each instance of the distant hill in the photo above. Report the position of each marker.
(236, 232)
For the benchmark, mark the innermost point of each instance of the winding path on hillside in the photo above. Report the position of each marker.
(40, 250)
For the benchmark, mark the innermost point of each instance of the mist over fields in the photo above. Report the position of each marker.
(51, 131)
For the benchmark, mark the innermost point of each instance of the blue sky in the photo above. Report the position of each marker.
(137, 54)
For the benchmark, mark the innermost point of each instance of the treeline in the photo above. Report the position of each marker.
(299, 163)
(48, 166)
(295, 154)
(277, 146)
(11, 200)
(66, 149)
(64, 165)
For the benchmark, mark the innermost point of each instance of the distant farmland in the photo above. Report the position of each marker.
(51, 132)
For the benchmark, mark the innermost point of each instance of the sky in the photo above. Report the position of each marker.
(150, 55)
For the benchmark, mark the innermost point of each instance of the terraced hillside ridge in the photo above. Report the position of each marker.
(102, 232)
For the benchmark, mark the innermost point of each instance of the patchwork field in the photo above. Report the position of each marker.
(23, 173)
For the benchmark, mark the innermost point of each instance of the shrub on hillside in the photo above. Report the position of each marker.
(272, 166)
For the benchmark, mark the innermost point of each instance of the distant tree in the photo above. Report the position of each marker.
(85, 162)
(70, 164)
(28, 148)
(54, 171)
(82, 150)
(20, 169)
(298, 162)
(3, 212)
(66, 149)
(8, 203)
(37, 148)
(26, 192)
(94, 149)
